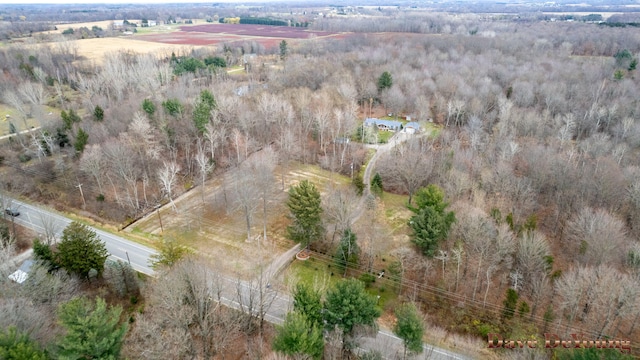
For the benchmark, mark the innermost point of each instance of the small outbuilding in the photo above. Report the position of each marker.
(412, 127)
(22, 273)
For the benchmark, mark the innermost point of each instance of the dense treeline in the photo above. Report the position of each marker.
(263, 21)
(537, 152)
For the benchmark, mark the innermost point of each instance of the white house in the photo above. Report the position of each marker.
(412, 127)
(384, 125)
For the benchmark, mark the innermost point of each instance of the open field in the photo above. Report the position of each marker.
(189, 38)
(212, 34)
(285, 32)
(162, 40)
(214, 226)
(94, 50)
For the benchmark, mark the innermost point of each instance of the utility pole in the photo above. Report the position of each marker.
(84, 204)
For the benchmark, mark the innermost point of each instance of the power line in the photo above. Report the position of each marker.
(474, 306)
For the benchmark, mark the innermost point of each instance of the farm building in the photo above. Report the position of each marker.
(148, 23)
(386, 125)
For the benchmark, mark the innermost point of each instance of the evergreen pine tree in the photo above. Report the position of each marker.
(305, 207)
(92, 330)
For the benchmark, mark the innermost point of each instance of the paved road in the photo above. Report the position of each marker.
(275, 306)
(234, 293)
(48, 222)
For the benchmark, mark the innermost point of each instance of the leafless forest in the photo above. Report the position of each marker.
(536, 146)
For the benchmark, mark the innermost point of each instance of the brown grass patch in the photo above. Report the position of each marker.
(94, 50)
(216, 228)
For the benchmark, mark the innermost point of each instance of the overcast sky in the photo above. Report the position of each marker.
(21, 2)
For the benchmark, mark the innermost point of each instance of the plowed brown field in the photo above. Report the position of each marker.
(212, 34)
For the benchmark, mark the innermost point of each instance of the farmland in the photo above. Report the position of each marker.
(258, 30)
(212, 34)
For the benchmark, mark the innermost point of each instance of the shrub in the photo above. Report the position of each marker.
(367, 279)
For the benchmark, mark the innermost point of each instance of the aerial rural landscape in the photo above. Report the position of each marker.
(315, 180)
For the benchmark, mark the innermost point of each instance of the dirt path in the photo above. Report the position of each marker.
(396, 139)
(282, 261)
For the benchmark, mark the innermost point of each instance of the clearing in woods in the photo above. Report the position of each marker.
(216, 227)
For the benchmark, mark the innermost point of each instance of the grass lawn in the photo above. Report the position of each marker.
(384, 136)
(315, 272)
(394, 200)
(19, 123)
(396, 212)
(320, 177)
(432, 129)
(312, 272)
(387, 295)
(235, 69)
(393, 118)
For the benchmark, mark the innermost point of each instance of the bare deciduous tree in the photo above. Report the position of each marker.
(408, 167)
(52, 288)
(246, 194)
(205, 165)
(597, 297)
(50, 228)
(531, 256)
(340, 207)
(255, 298)
(35, 319)
(262, 165)
(93, 163)
(124, 166)
(476, 231)
(167, 177)
(597, 236)
(185, 317)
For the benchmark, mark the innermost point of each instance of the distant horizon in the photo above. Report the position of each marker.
(361, 2)
(134, 2)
